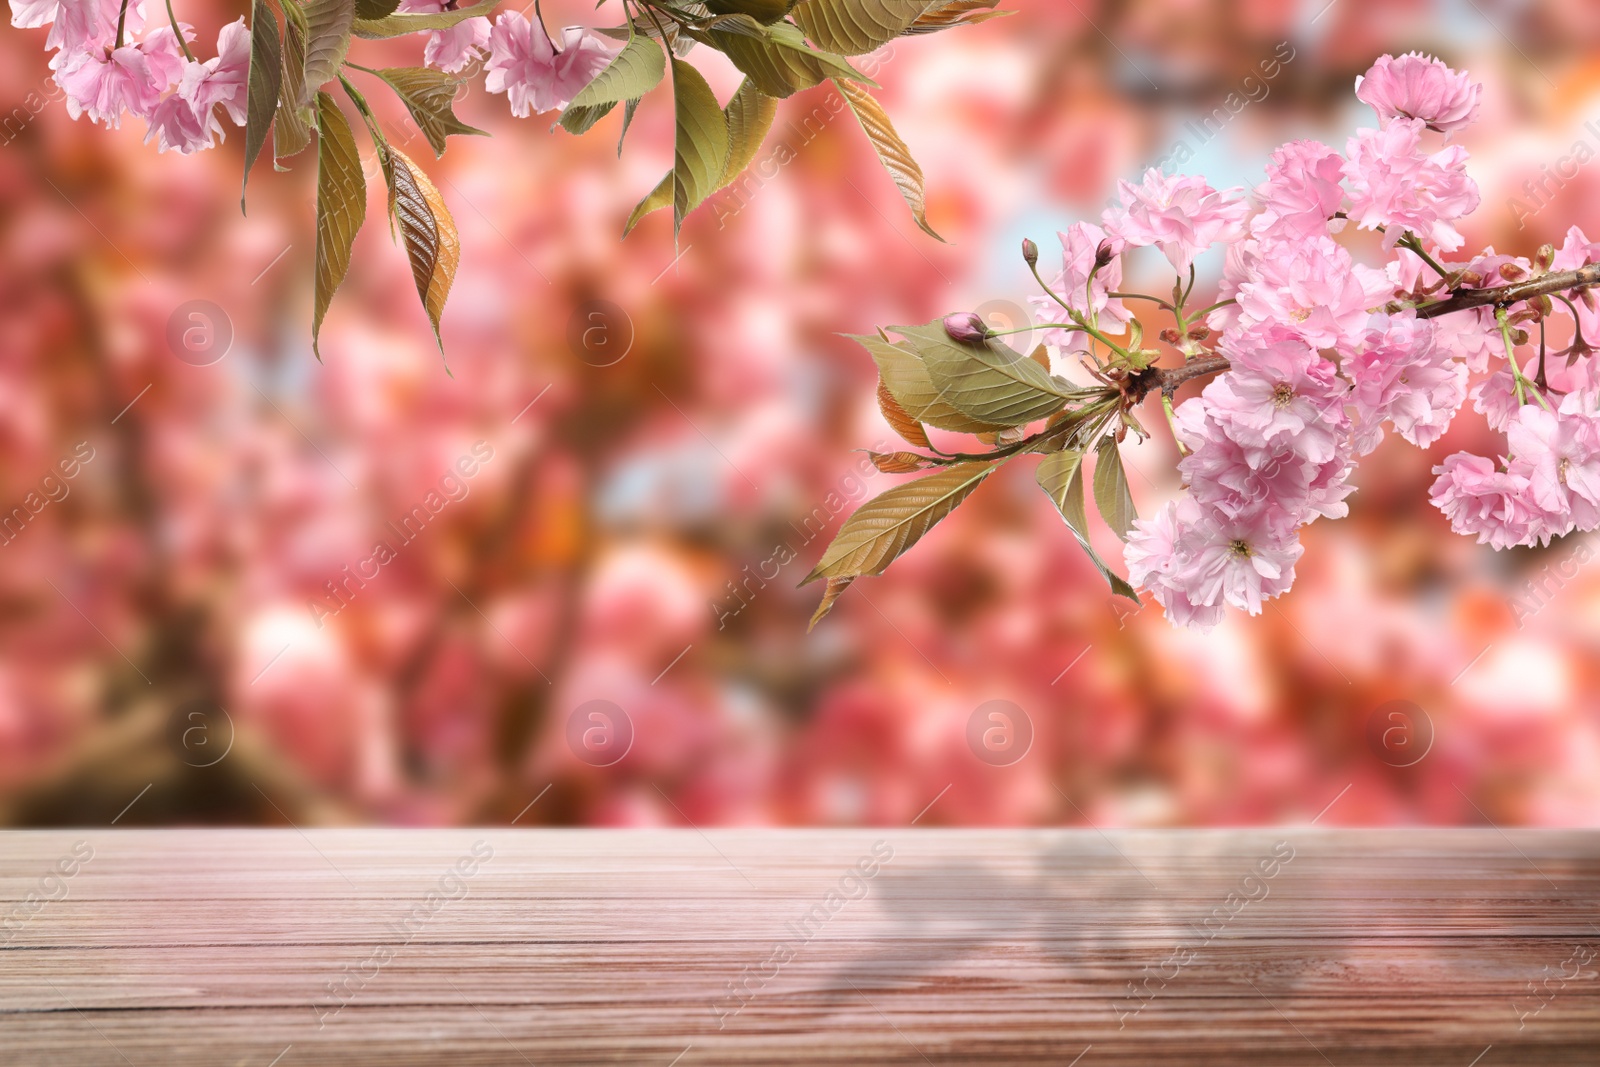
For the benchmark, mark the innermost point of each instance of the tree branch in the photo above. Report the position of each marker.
(1506, 295)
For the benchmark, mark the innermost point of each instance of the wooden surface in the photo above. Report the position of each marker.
(576, 947)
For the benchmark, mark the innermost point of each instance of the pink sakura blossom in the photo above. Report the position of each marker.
(454, 49)
(1393, 184)
(1302, 191)
(1179, 214)
(1279, 388)
(103, 84)
(1312, 287)
(186, 119)
(31, 14)
(1479, 499)
(525, 65)
(81, 25)
(1224, 474)
(1195, 559)
(1419, 87)
(1080, 244)
(1401, 375)
(1559, 454)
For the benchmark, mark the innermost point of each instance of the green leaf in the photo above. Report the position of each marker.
(655, 200)
(430, 97)
(576, 120)
(265, 80)
(341, 204)
(291, 129)
(376, 9)
(831, 591)
(900, 462)
(700, 151)
(777, 57)
(854, 27)
(906, 378)
(428, 232)
(327, 40)
(637, 69)
(1111, 493)
(760, 10)
(892, 151)
(888, 524)
(403, 22)
(628, 110)
(749, 115)
(1060, 476)
(989, 381)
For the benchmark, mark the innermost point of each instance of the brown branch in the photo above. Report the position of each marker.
(1506, 295)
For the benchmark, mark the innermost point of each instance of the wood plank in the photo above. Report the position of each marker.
(258, 947)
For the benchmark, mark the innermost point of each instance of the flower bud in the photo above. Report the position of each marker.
(1511, 271)
(1199, 333)
(1104, 253)
(1545, 256)
(1030, 252)
(1171, 336)
(966, 326)
(1471, 279)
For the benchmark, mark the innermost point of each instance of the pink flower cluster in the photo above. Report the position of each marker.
(525, 64)
(146, 75)
(1324, 352)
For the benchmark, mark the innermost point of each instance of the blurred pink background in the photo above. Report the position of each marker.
(160, 646)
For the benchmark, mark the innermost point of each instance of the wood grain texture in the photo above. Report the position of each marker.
(962, 947)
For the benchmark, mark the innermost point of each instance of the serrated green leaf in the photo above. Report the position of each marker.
(403, 22)
(291, 127)
(1111, 493)
(749, 115)
(637, 69)
(264, 80)
(906, 378)
(988, 381)
(892, 152)
(1060, 475)
(576, 120)
(376, 9)
(628, 110)
(328, 25)
(888, 524)
(427, 231)
(855, 27)
(700, 150)
(341, 205)
(778, 59)
(430, 97)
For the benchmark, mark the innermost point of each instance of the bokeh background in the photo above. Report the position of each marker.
(660, 420)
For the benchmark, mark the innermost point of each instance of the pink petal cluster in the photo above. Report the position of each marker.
(1309, 285)
(1395, 185)
(1269, 452)
(1179, 214)
(186, 121)
(525, 64)
(1415, 86)
(1080, 243)
(1401, 375)
(454, 49)
(1302, 192)
(102, 83)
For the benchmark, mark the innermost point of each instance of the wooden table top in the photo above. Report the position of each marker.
(1467, 948)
